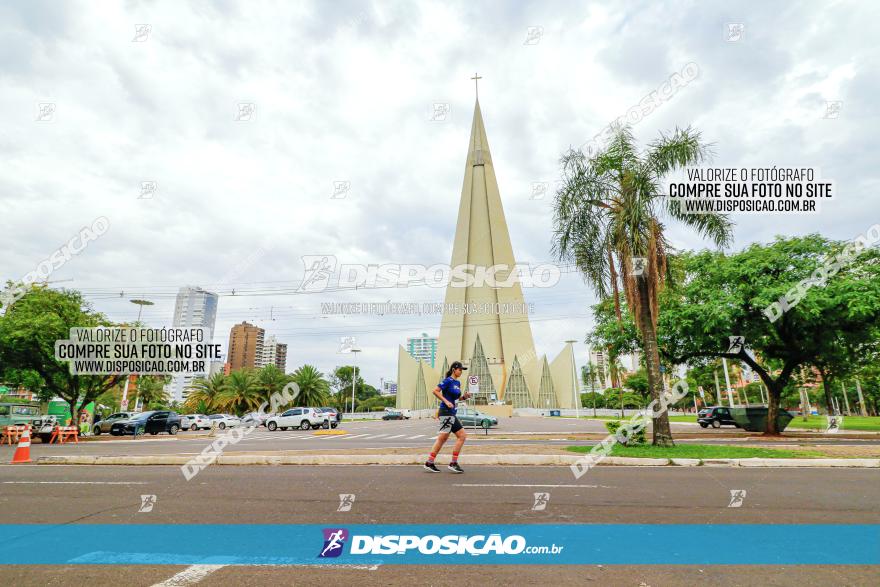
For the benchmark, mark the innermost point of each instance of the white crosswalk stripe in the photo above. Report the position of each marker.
(395, 436)
(416, 436)
(371, 437)
(357, 436)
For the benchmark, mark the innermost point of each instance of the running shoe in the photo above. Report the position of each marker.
(455, 468)
(429, 466)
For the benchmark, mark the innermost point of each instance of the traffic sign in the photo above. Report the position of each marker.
(473, 384)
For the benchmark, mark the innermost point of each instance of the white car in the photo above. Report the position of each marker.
(302, 418)
(222, 421)
(195, 422)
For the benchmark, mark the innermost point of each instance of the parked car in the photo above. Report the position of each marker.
(105, 424)
(16, 414)
(302, 418)
(404, 413)
(195, 422)
(153, 422)
(468, 416)
(392, 416)
(254, 419)
(223, 421)
(333, 414)
(716, 417)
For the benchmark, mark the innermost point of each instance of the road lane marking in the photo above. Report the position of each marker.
(396, 436)
(371, 437)
(416, 436)
(356, 436)
(529, 485)
(75, 482)
(189, 575)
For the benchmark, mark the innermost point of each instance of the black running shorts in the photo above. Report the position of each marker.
(449, 424)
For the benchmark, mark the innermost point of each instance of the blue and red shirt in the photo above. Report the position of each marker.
(451, 390)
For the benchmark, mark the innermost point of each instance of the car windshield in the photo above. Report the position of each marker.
(143, 416)
(216, 416)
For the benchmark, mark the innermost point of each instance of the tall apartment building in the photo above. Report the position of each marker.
(273, 353)
(423, 347)
(281, 356)
(245, 346)
(193, 308)
(600, 359)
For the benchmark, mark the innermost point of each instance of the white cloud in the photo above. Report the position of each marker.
(343, 91)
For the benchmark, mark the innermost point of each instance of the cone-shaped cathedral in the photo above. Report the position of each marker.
(485, 324)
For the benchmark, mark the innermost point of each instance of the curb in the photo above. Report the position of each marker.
(527, 460)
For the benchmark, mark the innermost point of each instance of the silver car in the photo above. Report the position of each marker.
(104, 424)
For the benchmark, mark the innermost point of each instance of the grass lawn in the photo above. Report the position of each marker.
(849, 423)
(703, 451)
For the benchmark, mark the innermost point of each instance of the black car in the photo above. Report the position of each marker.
(153, 422)
(716, 417)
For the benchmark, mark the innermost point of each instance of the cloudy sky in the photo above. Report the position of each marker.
(345, 92)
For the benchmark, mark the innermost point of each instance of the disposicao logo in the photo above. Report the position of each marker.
(334, 542)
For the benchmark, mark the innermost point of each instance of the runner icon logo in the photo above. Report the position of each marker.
(334, 541)
(447, 423)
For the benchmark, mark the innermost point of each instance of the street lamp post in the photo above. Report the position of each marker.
(354, 377)
(140, 304)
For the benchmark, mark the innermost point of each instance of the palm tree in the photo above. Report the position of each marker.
(607, 212)
(313, 388)
(271, 380)
(243, 392)
(151, 391)
(204, 394)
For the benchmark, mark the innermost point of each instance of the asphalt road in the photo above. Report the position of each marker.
(387, 495)
(385, 434)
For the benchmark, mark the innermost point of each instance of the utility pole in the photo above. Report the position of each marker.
(354, 377)
(845, 399)
(717, 389)
(727, 381)
(862, 409)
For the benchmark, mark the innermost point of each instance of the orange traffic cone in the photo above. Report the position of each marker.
(23, 450)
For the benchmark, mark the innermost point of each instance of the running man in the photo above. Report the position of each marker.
(448, 392)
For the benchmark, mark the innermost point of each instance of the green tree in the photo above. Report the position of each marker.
(313, 388)
(608, 212)
(204, 395)
(271, 380)
(242, 393)
(28, 331)
(151, 391)
(638, 382)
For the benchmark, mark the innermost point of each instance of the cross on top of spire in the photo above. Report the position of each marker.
(477, 79)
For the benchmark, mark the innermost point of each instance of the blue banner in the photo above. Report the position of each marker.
(369, 544)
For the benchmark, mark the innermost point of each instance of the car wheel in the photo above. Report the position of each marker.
(154, 432)
(272, 426)
(173, 430)
(485, 423)
(716, 424)
(304, 425)
(97, 431)
(326, 425)
(222, 425)
(703, 425)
